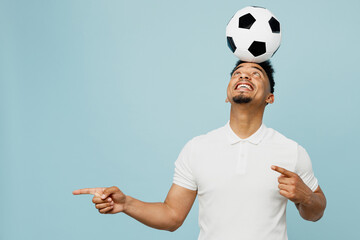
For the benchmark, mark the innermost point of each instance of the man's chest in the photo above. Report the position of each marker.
(242, 168)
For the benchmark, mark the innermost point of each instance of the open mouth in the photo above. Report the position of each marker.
(244, 86)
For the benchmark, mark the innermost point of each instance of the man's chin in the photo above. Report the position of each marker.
(241, 99)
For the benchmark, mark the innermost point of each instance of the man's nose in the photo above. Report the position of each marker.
(244, 76)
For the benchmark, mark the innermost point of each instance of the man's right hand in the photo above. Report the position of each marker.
(167, 215)
(107, 200)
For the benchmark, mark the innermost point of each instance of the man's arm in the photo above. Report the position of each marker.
(311, 205)
(168, 215)
(313, 209)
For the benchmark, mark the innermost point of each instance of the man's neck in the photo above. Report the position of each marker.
(245, 121)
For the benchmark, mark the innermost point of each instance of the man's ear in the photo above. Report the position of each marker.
(226, 100)
(270, 99)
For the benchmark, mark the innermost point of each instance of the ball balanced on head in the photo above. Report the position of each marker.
(253, 34)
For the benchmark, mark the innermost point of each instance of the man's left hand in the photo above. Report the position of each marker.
(292, 186)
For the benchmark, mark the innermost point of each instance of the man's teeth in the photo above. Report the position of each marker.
(243, 86)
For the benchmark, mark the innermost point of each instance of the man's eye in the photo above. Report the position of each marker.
(256, 74)
(237, 73)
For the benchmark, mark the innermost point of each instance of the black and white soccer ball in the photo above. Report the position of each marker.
(253, 34)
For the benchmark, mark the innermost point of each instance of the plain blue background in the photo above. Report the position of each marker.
(102, 93)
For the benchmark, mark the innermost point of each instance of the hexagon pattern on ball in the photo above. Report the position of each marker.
(253, 34)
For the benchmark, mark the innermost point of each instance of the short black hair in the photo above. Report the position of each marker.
(268, 68)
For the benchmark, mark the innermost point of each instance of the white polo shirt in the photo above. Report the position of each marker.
(237, 190)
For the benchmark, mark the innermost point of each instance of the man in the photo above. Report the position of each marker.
(243, 173)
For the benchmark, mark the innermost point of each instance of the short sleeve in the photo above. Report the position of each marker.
(304, 169)
(183, 175)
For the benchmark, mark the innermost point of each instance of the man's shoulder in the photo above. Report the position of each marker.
(275, 137)
(213, 136)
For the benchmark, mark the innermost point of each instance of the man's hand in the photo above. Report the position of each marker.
(167, 215)
(311, 205)
(292, 186)
(107, 200)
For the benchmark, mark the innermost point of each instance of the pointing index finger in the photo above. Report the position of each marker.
(86, 191)
(282, 171)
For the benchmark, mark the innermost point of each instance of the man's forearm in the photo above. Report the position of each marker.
(314, 208)
(156, 215)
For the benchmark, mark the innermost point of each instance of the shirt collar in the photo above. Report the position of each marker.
(255, 138)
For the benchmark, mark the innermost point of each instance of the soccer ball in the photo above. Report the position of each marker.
(253, 34)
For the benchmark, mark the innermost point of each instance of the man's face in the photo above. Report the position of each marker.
(249, 84)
